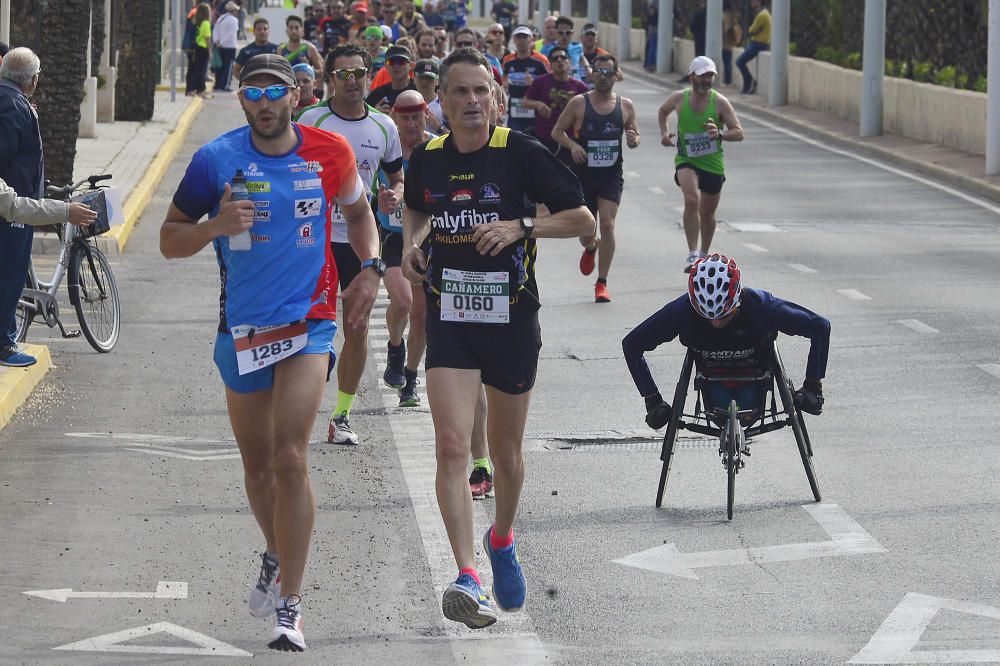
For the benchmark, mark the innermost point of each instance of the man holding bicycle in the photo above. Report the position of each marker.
(278, 301)
(729, 329)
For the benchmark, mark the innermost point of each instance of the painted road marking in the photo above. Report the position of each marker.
(846, 538)
(633, 174)
(413, 435)
(854, 294)
(917, 325)
(657, 190)
(207, 646)
(802, 268)
(991, 368)
(895, 640)
(753, 247)
(164, 590)
(679, 209)
(168, 446)
(760, 227)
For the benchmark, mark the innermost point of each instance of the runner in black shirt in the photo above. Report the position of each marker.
(260, 44)
(472, 189)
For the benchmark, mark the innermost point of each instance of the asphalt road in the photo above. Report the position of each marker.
(120, 472)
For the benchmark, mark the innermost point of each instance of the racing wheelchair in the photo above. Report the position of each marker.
(734, 426)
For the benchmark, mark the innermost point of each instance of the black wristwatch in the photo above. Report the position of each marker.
(527, 226)
(375, 263)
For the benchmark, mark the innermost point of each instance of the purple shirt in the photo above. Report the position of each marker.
(556, 94)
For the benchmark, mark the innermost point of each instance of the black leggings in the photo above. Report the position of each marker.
(197, 71)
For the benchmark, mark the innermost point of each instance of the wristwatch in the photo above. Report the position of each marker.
(375, 263)
(527, 226)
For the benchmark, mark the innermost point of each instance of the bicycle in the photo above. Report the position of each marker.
(92, 288)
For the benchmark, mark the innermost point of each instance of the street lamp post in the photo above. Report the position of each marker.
(624, 29)
(873, 64)
(993, 91)
(713, 31)
(777, 88)
(665, 36)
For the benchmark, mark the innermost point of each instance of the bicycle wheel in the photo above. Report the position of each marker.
(25, 312)
(732, 455)
(94, 294)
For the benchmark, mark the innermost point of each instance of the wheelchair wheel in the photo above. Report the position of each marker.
(732, 449)
(670, 438)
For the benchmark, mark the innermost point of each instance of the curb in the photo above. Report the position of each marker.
(858, 145)
(137, 201)
(16, 384)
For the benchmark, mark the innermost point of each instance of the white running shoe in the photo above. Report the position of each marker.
(265, 594)
(340, 431)
(287, 633)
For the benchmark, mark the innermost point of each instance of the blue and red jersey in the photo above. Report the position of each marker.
(288, 274)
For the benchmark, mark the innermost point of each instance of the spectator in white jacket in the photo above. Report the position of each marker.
(224, 39)
(39, 212)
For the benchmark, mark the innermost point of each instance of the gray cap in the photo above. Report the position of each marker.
(588, 29)
(268, 63)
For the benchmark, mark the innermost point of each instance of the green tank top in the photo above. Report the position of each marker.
(693, 145)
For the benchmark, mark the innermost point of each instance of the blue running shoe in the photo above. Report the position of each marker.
(509, 586)
(464, 601)
(12, 357)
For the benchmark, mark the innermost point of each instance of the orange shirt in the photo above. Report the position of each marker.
(383, 78)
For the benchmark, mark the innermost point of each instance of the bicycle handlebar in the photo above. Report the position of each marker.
(66, 190)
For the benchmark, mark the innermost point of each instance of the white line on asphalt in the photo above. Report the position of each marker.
(633, 174)
(657, 190)
(847, 537)
(753, 247)
(873, 162)
(917, 325)
(164, 590)
(759, 227)
(413, 434)
(854, 294)
(895, 640)
(802, 268)
(991, 368)
(208, 646)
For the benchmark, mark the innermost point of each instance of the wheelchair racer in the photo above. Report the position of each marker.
(729, 330)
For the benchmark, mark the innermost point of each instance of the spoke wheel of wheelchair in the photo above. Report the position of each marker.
(732, 452)
(670, 438)
(798, 425)
(94, 294)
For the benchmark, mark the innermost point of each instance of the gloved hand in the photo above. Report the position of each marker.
(809, 398)
(657, 411)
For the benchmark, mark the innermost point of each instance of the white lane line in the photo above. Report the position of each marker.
(802, 268)
(413, 435)
(917, 325)
(982, 203)
(759, 227)
(991, 368)
(633, 174)
(753, 247)
(854, 294)
(657, 190)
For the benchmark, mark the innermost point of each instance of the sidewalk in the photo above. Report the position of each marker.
(137, 154)
(944, 165)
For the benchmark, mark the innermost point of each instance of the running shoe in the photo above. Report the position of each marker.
(393, 375)
(408, 396)
(287, 633)
(12, 357)
(481, 483)
(264, 595)
(464, 601)
(509, 586)
(587, 261)
(601, 294)
(340, 431)
(692, 257)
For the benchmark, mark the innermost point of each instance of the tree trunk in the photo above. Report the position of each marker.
(59, 37)
(138, 44)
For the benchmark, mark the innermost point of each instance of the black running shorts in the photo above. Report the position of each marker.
(348, 264)
(601, 184)
(709, 183)
(392, 248)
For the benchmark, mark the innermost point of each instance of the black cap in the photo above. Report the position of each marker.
(426, 68)
(398, 52)
(589, 28)
(268, 63)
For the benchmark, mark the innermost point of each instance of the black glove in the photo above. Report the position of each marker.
(809, 398)
(657, 411)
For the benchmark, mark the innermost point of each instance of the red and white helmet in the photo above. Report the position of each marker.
(714, 286)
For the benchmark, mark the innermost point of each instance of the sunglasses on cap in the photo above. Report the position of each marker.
(350, 73)
(273, 93)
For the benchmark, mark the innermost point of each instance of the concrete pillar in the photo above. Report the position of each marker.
(873, 68)
(565, 7)
(543, 11)
(665, 37)
(88, 107)
(993, 91)
(108, 72)
(5, 21)
(175, 52)
(713, 32)
(593, 11)
(777, 87)
(625, 29)
(522, 11)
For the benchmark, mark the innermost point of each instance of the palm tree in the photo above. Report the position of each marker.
(137, 39)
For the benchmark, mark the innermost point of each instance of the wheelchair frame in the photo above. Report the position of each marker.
(769, 419)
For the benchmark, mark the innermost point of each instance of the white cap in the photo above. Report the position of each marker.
(522, 30)
(702, 65)
(387, 31)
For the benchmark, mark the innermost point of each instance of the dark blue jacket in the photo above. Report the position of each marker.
(21, 163)
(762, 316)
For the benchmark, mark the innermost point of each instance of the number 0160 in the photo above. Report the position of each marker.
(473, 303)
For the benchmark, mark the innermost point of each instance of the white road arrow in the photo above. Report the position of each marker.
(164, 590)
(846, 538)
(206, 645)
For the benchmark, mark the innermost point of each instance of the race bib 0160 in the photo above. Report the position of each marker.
(261, 346)
(478, 298)
(699, 144)
(603, 153)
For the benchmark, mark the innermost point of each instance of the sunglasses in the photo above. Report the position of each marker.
(558, 58)
(273, 93)
(565, 32)
(604, 71)
(352, 73)
(398, 61)
(465, 45)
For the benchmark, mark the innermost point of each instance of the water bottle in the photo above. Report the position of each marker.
(241, 241)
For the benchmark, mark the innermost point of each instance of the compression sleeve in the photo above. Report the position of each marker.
(662, 326)
(793, 319)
